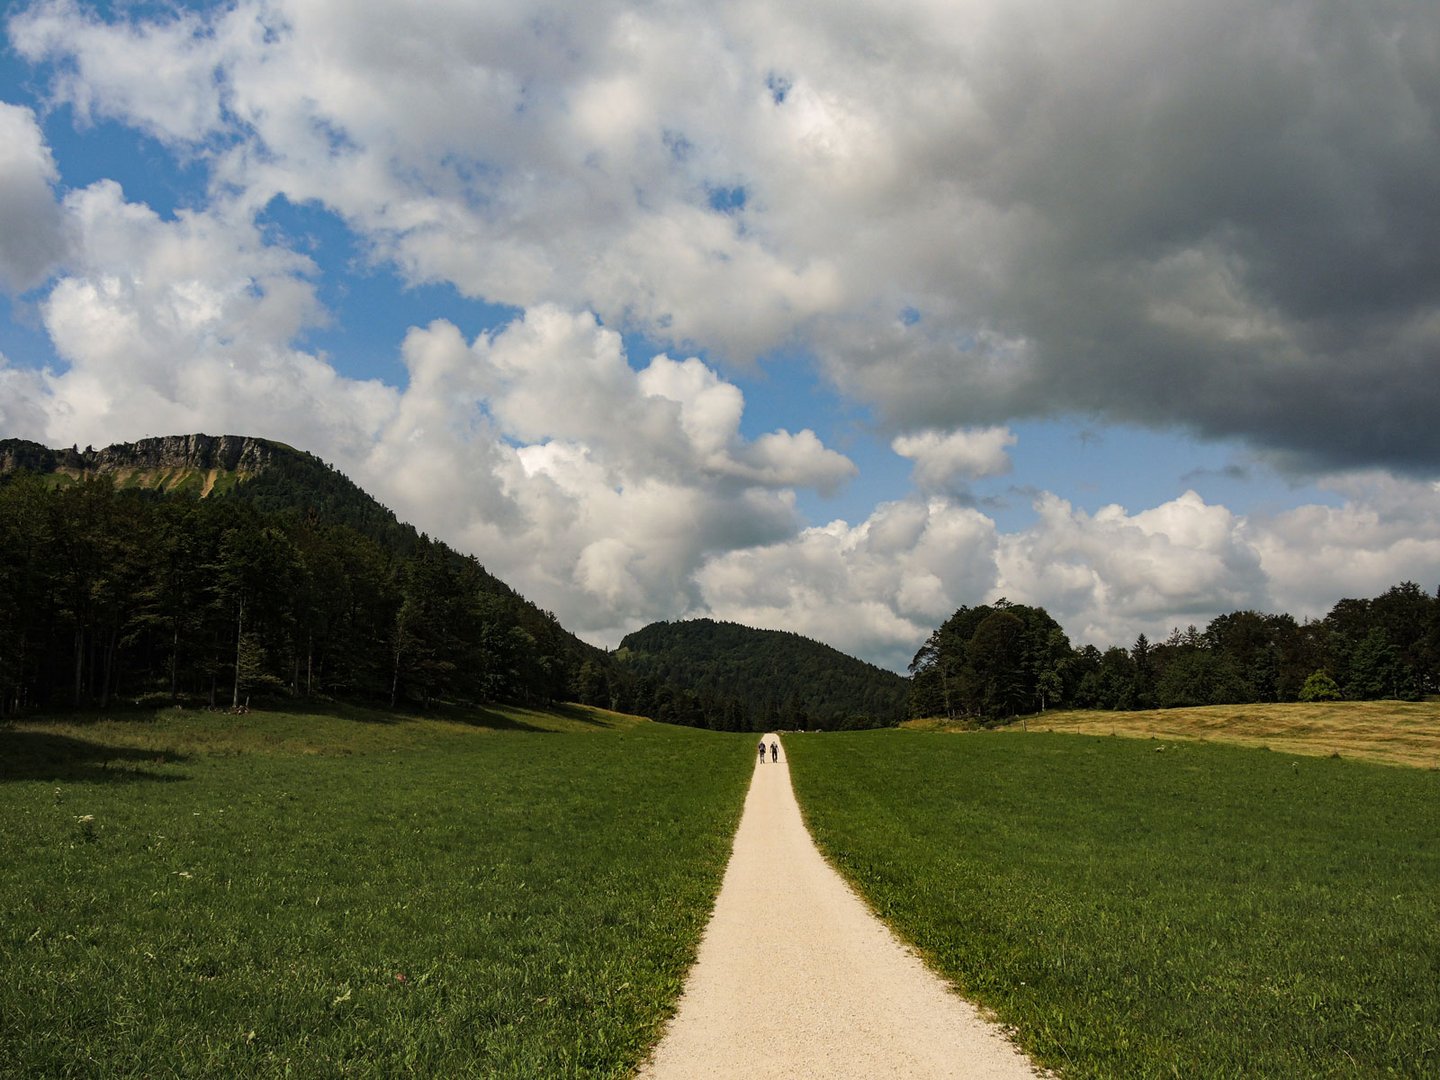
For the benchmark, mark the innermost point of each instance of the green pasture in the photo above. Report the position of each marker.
(1139, 908)
(353, 894)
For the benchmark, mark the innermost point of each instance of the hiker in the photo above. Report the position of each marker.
(762, 751)
(775, 750)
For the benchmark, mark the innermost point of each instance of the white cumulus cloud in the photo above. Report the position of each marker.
(186, 325)
(950, 461)
(595, 488)
(1110, 575)
(875, 589)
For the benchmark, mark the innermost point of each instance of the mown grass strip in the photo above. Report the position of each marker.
(1146, 909)
(207, 896)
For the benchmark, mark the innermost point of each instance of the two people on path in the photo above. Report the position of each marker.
(774, 751)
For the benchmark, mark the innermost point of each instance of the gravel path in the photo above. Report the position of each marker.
(796, 978)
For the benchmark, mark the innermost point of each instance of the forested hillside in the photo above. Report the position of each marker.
(753, 680)
(119, 581)
(999, 660)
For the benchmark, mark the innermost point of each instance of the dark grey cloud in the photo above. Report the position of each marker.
(32, 237)
(1218, 217)
(1233, 472)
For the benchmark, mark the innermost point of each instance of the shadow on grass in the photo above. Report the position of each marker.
(340, 710)
(41, 755)
(581, 715)
(482, 717)
(471, 715)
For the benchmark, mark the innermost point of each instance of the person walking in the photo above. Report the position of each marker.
(775, 750)
(762, 751)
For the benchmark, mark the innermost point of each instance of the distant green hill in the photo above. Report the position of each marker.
(758, 679)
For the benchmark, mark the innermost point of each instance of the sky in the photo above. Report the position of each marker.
(827, 317)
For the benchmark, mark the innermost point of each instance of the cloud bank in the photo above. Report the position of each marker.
(1216, 219)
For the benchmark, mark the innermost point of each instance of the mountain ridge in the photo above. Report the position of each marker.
(241, 454)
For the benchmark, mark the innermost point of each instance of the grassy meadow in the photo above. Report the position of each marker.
(1139, 908)
(353, 893)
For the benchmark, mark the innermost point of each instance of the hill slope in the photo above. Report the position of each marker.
(767, 677)
(202, 566)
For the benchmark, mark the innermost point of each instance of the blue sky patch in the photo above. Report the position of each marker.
(726, 200)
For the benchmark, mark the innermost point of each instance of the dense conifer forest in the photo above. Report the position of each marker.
(293, 582)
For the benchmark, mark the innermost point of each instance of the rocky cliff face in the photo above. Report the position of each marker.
(18, 454)
(229, 453)
(226, 453)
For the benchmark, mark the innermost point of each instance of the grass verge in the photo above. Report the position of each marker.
(354, 894)
(1149, 909)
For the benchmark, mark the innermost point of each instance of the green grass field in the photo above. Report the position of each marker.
(353, 894)
(1140, 908)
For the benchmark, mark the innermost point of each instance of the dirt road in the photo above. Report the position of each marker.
(796, 978)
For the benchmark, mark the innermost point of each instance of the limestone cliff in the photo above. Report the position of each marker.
(270, 475)
(229, 453)
(170, 462)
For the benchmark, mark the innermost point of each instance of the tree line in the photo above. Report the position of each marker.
(1001, 660)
